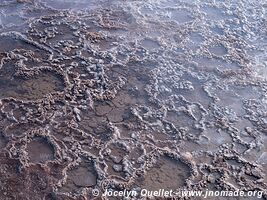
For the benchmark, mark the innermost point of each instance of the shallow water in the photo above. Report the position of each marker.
(131, 94)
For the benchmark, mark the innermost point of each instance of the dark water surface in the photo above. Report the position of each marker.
(122, 94)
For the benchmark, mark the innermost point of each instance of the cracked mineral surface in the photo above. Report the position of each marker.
(131, 94)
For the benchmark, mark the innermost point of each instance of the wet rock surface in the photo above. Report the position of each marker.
(118, 94)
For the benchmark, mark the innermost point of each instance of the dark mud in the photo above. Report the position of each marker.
(131, 94)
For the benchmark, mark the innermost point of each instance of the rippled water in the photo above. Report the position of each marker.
(131, 94)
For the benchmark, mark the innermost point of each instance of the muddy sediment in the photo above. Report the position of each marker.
(131, 94)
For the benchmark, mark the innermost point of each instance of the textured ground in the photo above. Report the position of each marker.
(131, 94)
